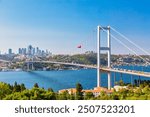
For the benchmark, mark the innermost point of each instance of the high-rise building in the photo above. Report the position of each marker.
(46, 51)
(29, 49)
(42, 53)
(37, 50)
(33, 51)
(19, 51)
(9, 51)
(24, 51)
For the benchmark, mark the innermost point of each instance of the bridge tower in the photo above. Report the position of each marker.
(30, 66)
(99, 49)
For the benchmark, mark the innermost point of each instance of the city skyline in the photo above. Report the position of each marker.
(30, 50)
(62, 25)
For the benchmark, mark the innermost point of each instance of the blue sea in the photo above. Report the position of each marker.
(67, 78)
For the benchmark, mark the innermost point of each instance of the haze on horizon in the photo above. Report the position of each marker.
(60, 26)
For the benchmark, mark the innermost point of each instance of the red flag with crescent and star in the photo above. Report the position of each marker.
(79, 46)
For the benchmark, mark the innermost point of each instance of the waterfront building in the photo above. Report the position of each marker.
(117, 87)
(96, 91)
(70, 91)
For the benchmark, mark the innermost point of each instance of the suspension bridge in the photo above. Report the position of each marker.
(102, 69)
(99, 67)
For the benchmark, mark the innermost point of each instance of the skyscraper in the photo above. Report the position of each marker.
(29, 49)
(24, 51)
(9, 51)
(33, 51)
(20, 51)
(37, 51)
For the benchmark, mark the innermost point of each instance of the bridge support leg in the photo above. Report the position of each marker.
(114, 78)
(109, 80)
(109, 54)
(98, 57)
(28, 66)
(32, 67)
(99, 49)
(98, 78)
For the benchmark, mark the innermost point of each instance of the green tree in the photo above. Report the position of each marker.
(122, 93)
(64, 95)
(16, 87)
(72, 97)
(4, 90)
(50, 90)
(103, 96)
(146, 90)
(88, 95)
(22, 86)
(137, 92)
(36, 85)
(121, 83)
(79, 93)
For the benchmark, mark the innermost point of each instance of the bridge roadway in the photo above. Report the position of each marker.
(5, 61)
(105, 69)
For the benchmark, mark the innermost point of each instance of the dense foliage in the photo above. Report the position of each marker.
(20, 92)
(79, 93)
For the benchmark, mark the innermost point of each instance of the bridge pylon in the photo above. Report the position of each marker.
(30, 66)
(99, 49)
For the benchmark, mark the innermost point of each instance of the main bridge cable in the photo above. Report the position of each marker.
(126, 38)
(125, 46)
(129, 40)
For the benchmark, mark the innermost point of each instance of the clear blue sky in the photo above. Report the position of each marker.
(61, 25)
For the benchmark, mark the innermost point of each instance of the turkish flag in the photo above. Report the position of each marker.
(79, 46)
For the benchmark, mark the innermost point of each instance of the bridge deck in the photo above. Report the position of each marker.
(124, 71)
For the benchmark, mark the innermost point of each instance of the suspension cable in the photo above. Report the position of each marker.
(126, 38)
(125, 46)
